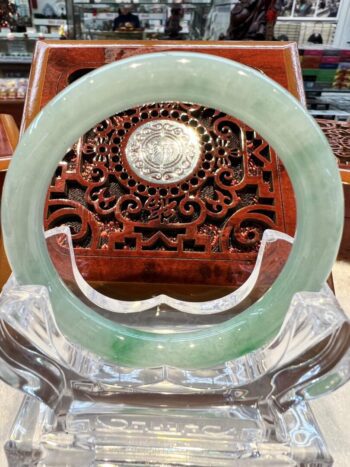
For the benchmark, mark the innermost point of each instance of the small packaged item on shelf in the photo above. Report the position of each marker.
(342, 76)
(2, 89)
(13, 88)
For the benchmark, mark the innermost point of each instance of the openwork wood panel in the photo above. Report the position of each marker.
(172, 180)
(338, 135)
(201, 227)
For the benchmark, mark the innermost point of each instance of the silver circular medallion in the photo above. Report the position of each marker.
(163, 151)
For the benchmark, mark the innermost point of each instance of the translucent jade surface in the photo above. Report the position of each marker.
(215, 82)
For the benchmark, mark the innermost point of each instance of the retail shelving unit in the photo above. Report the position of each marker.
(94, 20)
(16, 52)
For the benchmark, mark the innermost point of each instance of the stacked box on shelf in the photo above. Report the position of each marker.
(325, 68)
(345, 55)
(342, 76)
(312, 61)
(342, 79)
(318, 78)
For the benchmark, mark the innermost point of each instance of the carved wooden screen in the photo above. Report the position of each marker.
(194, 208)
(338, 135)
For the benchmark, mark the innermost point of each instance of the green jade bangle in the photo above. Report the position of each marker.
(188, 77)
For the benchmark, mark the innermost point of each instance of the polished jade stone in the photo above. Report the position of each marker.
(214, 82)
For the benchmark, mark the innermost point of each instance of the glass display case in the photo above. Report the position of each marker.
(15, 49)
(95, 20)
(44, 16)
(49, 16)
(16, 53)
(15, 60)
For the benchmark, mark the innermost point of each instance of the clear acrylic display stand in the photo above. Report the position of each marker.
(79, 410)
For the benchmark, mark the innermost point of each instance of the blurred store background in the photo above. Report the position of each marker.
(320, 27)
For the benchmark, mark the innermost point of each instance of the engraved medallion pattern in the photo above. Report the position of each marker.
(163, 151)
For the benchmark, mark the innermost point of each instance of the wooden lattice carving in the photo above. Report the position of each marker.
(338, 135)
(157, 246)
(164, 220)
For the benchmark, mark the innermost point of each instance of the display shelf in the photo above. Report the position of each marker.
(30, 35)
(334, 114)
(327, 90)
(12, 101)
(306, 19)
(19, 59)
(49, 22)
(14, 74)
(328, 104)
(16, 49)
(326, 74)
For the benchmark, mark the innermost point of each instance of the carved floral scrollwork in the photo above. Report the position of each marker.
(160, 208)
(245, 229)
(338, 135)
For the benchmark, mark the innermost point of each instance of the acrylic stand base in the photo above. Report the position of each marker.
(80, 410)
(101, 435)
